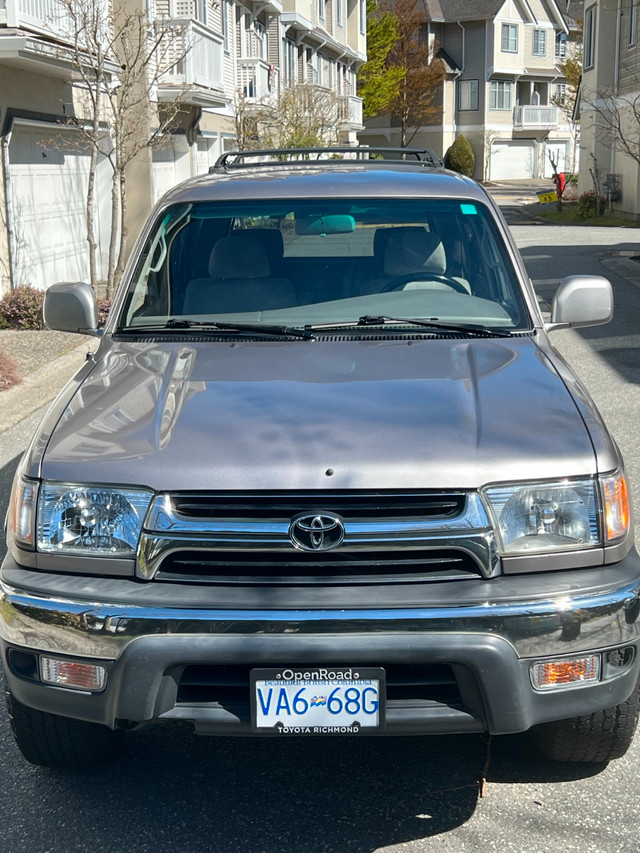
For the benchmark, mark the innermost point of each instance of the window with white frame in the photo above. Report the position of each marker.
(363, 17)
(589, 46)
(633, 23)
(468, 94)
(339, 13)
(509, 38)
(322, 9)
(561, 46)
(539, 47)
(560, 95)
(501, 95)
(224, 16)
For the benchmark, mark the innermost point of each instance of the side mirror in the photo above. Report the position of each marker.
(71, 307)
(581, 300)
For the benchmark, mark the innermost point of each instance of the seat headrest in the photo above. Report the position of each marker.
(241, 255)
(271, 239)
(411, 249)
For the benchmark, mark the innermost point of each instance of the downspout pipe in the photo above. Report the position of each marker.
(6, 141)
(616, 80)
(457, 77)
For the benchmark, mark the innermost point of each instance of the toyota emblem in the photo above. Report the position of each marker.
(317, 532)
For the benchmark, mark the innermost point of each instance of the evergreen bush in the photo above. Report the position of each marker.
(460, 157)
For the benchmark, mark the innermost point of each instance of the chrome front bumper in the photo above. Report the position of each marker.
(559, 613)
(142, 633)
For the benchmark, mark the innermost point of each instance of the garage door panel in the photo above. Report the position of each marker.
(48, 179)
(512, 160)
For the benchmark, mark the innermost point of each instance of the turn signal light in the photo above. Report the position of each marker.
(565, 673)
(64, 673)
(616, 506)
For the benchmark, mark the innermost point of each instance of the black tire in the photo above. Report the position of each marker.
(53, 741)
(598, 737)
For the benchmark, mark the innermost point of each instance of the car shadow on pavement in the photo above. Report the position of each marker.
(170, 790)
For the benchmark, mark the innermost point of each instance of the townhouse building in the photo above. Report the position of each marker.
(225, 50)
(503, 88)
(609, 104)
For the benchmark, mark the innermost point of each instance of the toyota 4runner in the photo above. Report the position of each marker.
(324, 475)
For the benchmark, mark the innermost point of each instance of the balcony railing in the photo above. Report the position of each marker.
(50, 18)
(350, 111)
(257, 80)
(198, 56)
(526, 117)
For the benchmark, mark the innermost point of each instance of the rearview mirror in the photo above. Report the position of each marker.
(335, 223)
(581, 300)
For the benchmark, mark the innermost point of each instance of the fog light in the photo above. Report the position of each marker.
(83, 676)
(565, 673)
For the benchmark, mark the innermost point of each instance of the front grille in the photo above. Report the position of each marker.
(228, 685)
(263, 537)
(350, 505)
(300, 567)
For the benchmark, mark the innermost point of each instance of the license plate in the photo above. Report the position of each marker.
(318, 701)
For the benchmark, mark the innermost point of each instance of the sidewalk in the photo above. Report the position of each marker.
(39, 387)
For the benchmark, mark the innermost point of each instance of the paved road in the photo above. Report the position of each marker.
(173, 792)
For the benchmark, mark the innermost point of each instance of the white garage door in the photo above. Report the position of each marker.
(511, 160)
(48, 173)
(170, 165)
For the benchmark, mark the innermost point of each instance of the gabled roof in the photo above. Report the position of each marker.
(462, 10)
(572, 11)
(482, 10)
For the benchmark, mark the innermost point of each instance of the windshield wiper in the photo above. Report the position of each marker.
(431, 323)
(175, 324)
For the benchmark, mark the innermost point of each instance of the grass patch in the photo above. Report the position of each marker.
(569, 216)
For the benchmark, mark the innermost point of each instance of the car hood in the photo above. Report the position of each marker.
(325, 414)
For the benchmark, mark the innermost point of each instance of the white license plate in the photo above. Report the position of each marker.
(318, 700)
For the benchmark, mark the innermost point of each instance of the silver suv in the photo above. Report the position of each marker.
(324, 475)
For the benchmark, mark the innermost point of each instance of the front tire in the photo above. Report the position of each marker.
(53, 741)
(602, 736)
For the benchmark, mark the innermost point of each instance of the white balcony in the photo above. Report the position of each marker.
(531, 117)
(257, 80)
(44, 36)
(197, 76)
(40, 16)
(350, 112)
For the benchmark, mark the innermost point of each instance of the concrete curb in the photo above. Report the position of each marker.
(39, 388)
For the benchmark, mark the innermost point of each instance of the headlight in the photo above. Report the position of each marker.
(92, 520)
(540, 517)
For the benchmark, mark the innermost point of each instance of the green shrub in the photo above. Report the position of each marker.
(21, 309)
(460, 157)
(589, 205)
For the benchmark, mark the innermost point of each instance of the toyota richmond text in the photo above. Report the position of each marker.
(324, 475)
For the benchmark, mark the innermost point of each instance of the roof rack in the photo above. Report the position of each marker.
(302, 156)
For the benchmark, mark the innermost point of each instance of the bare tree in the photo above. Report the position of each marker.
(571, 69)
(119, 57)
(304, 116)
(417, 102)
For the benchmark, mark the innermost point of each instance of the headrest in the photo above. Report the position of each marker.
(241, 255)
(271, 239)
(412, 249)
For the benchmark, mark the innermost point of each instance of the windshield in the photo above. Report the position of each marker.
(305, 263)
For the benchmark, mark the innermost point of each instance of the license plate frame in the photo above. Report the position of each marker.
(289, 708)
